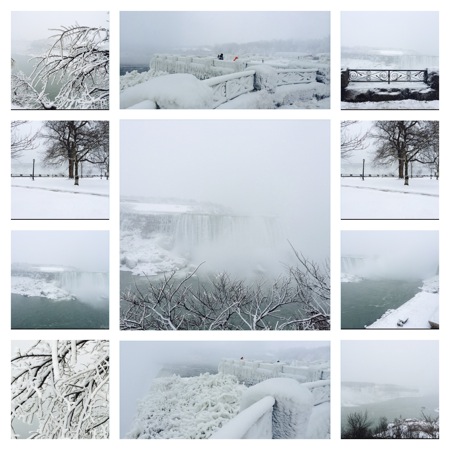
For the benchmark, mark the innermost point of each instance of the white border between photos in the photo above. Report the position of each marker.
(114, 115)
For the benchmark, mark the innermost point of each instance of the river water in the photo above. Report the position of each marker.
(406, 408)
(363, 302)
(43, 313)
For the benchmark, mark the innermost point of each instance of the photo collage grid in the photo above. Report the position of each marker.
(224, 274)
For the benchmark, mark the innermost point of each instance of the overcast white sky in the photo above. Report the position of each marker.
(408, 30)
(31, 26)
(273, 168)
(143, 33)
(408, 363)
(85, 250)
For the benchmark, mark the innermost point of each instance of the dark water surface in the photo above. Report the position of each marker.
(405, 408)
(363, 302)
(43, 313)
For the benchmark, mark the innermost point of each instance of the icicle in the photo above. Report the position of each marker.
(54, 346)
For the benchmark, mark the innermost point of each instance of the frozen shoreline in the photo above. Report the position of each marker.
(418, 312)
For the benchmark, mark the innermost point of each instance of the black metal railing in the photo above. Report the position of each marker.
(387, 75)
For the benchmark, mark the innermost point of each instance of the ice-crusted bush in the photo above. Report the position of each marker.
(187, 408)
(134, 77)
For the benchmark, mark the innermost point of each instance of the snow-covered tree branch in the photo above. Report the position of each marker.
(351, 141)
(298, 300)
(78, 62)
(75, 142)
(20, 140)
(64, 387)
(403, 142)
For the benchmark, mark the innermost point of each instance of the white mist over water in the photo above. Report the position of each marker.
(390, 254)
(241, 189)
(224, 242)
(88, 287)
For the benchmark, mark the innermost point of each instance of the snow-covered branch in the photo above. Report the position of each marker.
(68, 396)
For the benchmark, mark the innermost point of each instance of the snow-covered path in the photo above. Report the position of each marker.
(393, 104)
(58, 198)
(389, 198)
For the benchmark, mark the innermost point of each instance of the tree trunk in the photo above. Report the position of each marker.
(400, 169)
(77, 183)
(70, 168)
(406, 173)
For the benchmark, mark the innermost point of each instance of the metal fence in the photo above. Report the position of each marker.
(387, 75)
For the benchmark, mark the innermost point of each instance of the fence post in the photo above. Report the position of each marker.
(32, 175)
(364, 161)
(389, 77)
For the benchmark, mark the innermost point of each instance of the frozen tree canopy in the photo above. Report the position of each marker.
(71, 73)
(62, 388)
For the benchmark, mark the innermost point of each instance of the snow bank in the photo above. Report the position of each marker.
(38, 287)
(187, 408)
(178, 91)
(418, 312)
(393, 104)
(297, 96)
(292, 408)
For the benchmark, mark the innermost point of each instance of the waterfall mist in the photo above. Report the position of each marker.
(230, 193)
(390, 254)
(87, 287)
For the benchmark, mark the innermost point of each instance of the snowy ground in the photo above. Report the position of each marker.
(38, 287)
(417, 312)
(393, 104)
(157, 89)
(389, 198)
(305, 96)
(58, 198)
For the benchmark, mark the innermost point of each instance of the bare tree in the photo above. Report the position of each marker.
(20, 140)
(358, 426)
(351, 140)
(74, 142)
(65, 386)
(299, 300)
(78, 60)
(403, 142)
